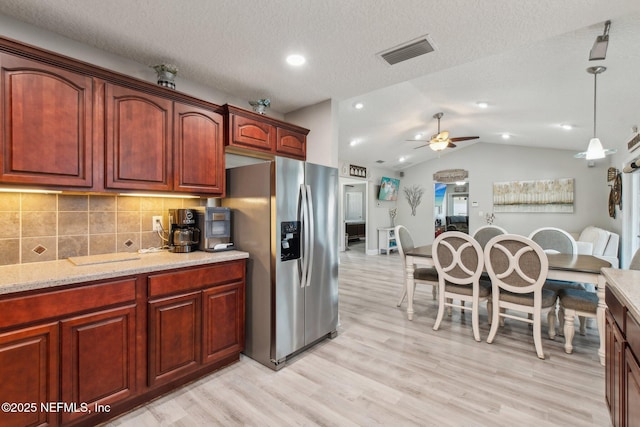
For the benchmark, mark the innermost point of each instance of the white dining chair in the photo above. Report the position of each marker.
(427, 275)
(459, 261)
(518, 268)
(486, 233)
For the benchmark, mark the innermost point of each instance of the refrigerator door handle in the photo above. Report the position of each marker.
(310, 229)
(305, 236)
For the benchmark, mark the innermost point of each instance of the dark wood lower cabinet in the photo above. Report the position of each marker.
(102, 348)
(174, 330)
(614, 375)
(632, 390)
(29, 375)
(223, 324)
(98, 359)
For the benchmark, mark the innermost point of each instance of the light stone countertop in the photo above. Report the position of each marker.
(625, 284)
(48, 274)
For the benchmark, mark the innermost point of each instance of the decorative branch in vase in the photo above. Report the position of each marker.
(392, 215)
(414, 197)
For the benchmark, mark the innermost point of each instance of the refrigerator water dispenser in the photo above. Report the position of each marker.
(289, 240)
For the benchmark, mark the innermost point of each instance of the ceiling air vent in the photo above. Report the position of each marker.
(379, 161)
(406, 51)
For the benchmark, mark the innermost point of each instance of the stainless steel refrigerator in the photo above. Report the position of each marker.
(285, 214)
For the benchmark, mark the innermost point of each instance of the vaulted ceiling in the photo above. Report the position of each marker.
(526, 59)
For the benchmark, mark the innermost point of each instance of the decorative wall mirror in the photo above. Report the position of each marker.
(451, 201)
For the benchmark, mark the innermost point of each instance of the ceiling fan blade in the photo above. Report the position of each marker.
(451, 145)
(424, 145)
(464, 138)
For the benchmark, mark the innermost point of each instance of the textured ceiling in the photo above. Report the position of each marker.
(497, 51)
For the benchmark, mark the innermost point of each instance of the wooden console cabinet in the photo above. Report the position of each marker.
(622, 374)
(117, 343)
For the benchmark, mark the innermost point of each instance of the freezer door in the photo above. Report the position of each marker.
(321, 297)
(288, 299)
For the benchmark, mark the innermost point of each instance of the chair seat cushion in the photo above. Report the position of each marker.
(485, 288)
(556, 285)
(430, 274)
(548, 298)
(580, 300)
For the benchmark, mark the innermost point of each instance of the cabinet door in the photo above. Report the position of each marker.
(198, 150)
(250, 133)
(223, 317)
(632, 390)
(174, 337)
(138, 140)
(98, 358)
(47, 124)
(292, 144)
(29, 374)
(614, 370)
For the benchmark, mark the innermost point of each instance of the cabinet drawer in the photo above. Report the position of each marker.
(24, 309)
(617, 310)
(633, 335)
(184, 281)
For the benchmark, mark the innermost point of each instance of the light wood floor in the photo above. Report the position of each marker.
(384, 370)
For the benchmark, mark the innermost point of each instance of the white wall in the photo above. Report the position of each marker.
(488, 163)
(44, 39)
(322, 141)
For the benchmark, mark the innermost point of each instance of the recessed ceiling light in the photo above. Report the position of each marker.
(354, 142)
(296, 60)
(418, 135)
(401, 159)
(482, 104)
(358, 105)
(566, 126)
(506, 136)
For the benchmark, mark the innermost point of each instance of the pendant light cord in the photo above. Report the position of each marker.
(595, 96)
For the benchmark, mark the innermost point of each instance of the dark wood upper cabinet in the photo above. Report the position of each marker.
(252, 132)
(47, 124)
(291, 143)
(198, 150)
(138, 140)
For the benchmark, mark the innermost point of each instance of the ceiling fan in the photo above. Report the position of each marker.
(441, 141)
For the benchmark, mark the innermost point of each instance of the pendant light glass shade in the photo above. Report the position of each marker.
(595, 150)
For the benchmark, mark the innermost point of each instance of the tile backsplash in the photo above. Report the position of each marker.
(46, 227)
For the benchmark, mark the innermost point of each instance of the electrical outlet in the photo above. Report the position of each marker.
(157, 223)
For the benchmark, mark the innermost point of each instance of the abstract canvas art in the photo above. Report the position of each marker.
(547, 195)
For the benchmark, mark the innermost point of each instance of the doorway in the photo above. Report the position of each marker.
(451, 207)
(354, 202)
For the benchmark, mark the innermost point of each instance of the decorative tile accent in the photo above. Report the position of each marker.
(39, 249)
(128, 243)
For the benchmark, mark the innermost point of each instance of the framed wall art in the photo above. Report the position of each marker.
(547, 195)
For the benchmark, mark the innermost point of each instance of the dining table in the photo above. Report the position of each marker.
(567, 267)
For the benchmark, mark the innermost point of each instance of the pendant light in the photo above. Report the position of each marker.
(595, 150)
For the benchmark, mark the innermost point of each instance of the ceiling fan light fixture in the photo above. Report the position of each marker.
(438, 145)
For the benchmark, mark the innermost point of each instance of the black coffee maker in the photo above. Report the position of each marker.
(184, 235)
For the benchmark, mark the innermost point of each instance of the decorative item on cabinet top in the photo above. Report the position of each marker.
(260, 105)
(358, 171)
(166, 74)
